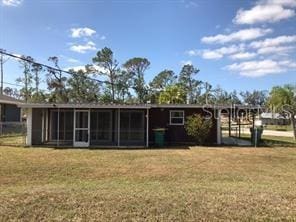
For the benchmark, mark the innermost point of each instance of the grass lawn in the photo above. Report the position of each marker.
(41, 184)
(279, 127)
(14, 140)
(274, 141)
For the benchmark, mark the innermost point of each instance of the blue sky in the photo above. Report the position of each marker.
(241, 45)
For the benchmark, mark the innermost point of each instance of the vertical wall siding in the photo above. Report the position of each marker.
(37, 126)
(176, 134)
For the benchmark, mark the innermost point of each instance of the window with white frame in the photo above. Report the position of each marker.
(176, 117)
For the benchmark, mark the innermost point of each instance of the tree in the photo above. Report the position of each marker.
(81, 88)
(173, 94)
(190, 85)
(198, 127)
(13, 92)
(162, 80)
(56, 82)
(27, 79)
(207, 97)
(283, 99)
(38, 95)
(255, 98)
(233, 97)
(36, 69)
(8, 91)
(123, 84)
(105, 59)
(220, 96)
(137, 67)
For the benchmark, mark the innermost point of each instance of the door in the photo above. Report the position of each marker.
(81, 128)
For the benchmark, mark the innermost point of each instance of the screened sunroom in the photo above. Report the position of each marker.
(85, 126)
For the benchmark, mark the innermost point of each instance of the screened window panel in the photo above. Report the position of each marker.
(101, 125)
(65, 125)
(132, 126)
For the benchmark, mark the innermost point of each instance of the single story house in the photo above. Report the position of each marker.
(10, 115)
(275, 119)
(9, 110)
(114, 125)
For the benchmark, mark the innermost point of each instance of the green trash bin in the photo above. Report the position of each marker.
(159, 137)
(256, 136)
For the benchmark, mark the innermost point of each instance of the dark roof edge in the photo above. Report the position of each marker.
(130, 106)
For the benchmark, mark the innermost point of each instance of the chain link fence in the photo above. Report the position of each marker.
(12, 133)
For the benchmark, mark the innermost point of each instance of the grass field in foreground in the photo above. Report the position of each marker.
(274, 141)
(41, 184)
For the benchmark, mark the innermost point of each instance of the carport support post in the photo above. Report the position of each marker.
(118, 128)
(147, 128)
(219, 127)
(58, 130)
(229, 122)
(239, 126)
(29, 127)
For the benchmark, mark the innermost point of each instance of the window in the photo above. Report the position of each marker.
(176, 117)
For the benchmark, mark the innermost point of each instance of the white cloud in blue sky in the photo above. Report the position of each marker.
(263, 56)
(241, 35)
(83, 48)
(269, 11)
(13, 3)
(82, 32)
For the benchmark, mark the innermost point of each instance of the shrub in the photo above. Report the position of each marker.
(198, 127)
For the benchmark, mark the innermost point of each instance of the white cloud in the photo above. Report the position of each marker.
(288, 63)
(187, 62)
(278, 45)
(241, 35)
(82, 32)
(283, 50)
(89, 46)
(270, 42)
(77, 68)
(220, 52)
(266, 11)
(243, 55)
(288, 3)
(261, 68)
(207, 54)
(192, 52)
(12, 2)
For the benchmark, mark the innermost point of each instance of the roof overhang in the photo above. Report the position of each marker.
(9, 102)
(82, 106)
(132, 106)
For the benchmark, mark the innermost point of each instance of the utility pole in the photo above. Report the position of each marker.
(1, 72)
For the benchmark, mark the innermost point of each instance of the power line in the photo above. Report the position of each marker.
(49, 67)
(12, 84)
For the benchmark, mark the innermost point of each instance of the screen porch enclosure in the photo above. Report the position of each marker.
(89, 127)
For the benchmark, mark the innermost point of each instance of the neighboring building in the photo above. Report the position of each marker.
(84, 125)
(9, 110)
(274, 119)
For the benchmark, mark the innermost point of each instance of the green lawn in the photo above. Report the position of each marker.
(41, 184)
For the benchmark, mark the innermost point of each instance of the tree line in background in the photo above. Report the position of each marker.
(123, 83)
